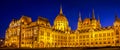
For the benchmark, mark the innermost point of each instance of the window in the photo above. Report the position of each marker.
(22, 42)
(73, 37)
(48, 34)
(80, 43)
(104, 42)
(96, 43)
(108, 34)
(111, 34)
(91, 42)
(62, 37)
(100, 35)
(83, 43)
(48, 38)
(96, 35)
(76, 43)
(117, 32)
(117, 41)
(100, 42)
(117, 37)
(108, 42)
(104, 35)
(104, 38)
(113, 41)
(87, 36)
(83, 36)
(42, 33)
(80, 36)
(87, 43)
(58, 36)
(76, 37)
(35, 38)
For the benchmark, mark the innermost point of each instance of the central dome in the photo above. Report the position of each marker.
(86, 21)
(61, 17)
(61, 22)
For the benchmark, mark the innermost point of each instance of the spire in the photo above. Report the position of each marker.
(99, 21)
(80, 17)
(89, 15)
(61, 9)
(98, 18)
(93, 15)
(116, 17)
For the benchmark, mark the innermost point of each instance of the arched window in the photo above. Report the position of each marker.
(117, 32)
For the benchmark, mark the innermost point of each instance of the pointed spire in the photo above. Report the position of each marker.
(89, 15)
(99, 21)
(93, 14)
(116, 17)
(98, 18)
(80, 17)
(61, 9)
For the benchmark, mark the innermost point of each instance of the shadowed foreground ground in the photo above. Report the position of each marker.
(60, 48)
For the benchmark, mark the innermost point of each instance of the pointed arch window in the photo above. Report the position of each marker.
(117, 32)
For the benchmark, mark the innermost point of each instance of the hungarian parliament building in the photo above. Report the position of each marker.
(40, 34)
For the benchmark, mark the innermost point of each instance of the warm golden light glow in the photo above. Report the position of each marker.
(40, 34)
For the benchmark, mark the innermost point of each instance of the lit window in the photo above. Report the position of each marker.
(1, 40)
(117, 41)
(100, 42)
(104, 34)
(104, 38)
(73, 37)
(42, 33)
(83, 36)
(80, 43)
(100, 35)
(96, 35)
(96, 43)
(69, 37)
(87, 36)
(76, 37)
(104, 42)
(48, 34)
(87, 43)
(117, 32)
(83, 43)
(91, 42)
(108, 42)
(108, 34)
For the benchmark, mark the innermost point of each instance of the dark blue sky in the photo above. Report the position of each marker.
(10, 9)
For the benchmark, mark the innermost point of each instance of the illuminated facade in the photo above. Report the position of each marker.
(40, 34)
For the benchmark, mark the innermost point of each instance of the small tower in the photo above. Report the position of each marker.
(117, 21)
(80, 17)
(116, 17)
(94, 21)
(99, 25)
(79, 22)
(93, 15)
(61, 12)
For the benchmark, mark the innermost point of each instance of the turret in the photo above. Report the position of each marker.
(79, 22)
(99, 25)
(93, 15)
(94, 21)
(117, 21)
(61, 12)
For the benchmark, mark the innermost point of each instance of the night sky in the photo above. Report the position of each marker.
(49, 9)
